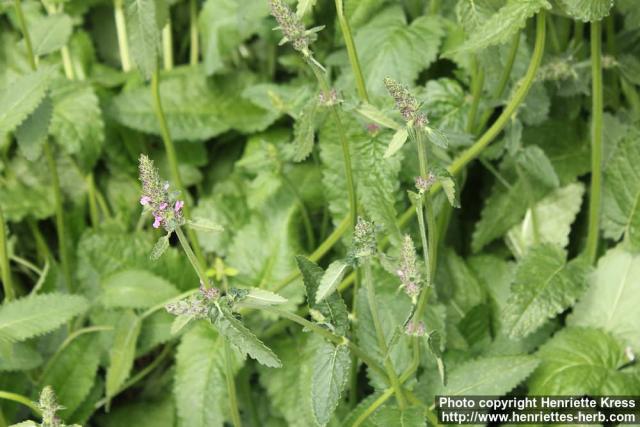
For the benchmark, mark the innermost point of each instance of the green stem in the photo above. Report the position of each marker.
(25, 33)
(167, 46)
(306, 218)
(202, 275)
(91, 196)
(172, 157)
(41, 246)
(477, 82)
(25, 263)
(7, 395)
(351, 52)
(121, 31)
(596, 141)
(7, 284)
(193, 31)
(382, 342)
(231, 386)
(67, 64)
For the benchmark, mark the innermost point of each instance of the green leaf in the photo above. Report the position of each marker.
(31, 133)
(394, 416)
(444, 100)
(544, 286)
(142, 414)
(397, 142)
(613, 296)
(199, 387)
(72, 372)
(434, 344)
(501, 26)
(558, 209)
(160, 247)
(135, 289)
(50, 33)
(204, 224)
(331, 279)
(621, 210)
(304, 7)
(36, 315)
(21, 97)
(304, 131)
(243, 339)
(25, 424)
(257, 298)
(374, 114)
(20, 357)
(586, 10)
(582, 361)
(489, 376)
(387, 46)
(448, 185)
(333, 308)
(144, 34)
(122, 352)
(537, 166)
(331, 367)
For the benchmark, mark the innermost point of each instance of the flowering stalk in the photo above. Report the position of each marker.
(7, 284)
(194, 46)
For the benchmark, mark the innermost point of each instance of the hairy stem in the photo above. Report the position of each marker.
(7, 284)
(202, 275)
(477, 82)
(172, 157)
(596, 141)
(194, 46)
(121, 31)
(91, 197)
(25, 33)
(231, 386)
(351, 51)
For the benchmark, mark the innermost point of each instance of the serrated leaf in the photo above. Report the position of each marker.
(582, 361)
(394, 416)
(436, 137)
(73, 371)
(331, 279)
(333, 308)
(135, 289)
(331, 367)
(448, 185)
(122, 352)
(586, 10)
(558, 211)
(444, 100)
(434, 342)
(363, 405)
(144, 35)
(19, 357)
(544, 286)
(621, 207)
(387, 46)
(31, 133)
(397, 142)
(159, 248)
(613, 296)
(502, 25)
(21, 97)
(50, 33)
(304, 131)
(537, 165)
(36, 315)
(243, 339)
(489, 376)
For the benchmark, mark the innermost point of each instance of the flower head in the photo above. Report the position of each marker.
(416, 329)
(291, 26)
(157, 198)
(364, 239)
(49, 406)
(424, 184)
(408, 272)
(406, 103)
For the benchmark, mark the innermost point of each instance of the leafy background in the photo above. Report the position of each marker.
(517, 307)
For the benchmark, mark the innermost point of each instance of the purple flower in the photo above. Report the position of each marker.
(163, 206)
(178, 207)
(157, 221)
(145, 200)
(166, 210)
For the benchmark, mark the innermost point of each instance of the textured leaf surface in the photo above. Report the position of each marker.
(135, 289)
(50, 33)
(544, 286)
(32, 316)
(144, 34)
(331, 279)
(20, 356)
(580, 361)
(489, 375)
(613, 296)
(122, 352)
(394, 416)
(587, 10)
(331, 367)
(31, 133)
(21, 97)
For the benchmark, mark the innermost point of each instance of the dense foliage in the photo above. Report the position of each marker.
(206, 220)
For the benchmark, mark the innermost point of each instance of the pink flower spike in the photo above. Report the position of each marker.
(157, 222)
(144, 200)
(163, 206)
(178, 207)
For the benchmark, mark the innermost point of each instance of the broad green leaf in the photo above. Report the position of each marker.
(394, 416)
(554, 215)
(544, 286)
(72, 372)
(621, 207)
(489, 376)
(388, 46)
(304, 131)
(331, 367)
(31, 133)
(445, 102)
(448, 185)
(36, 315)
(359, 12)
(434, 345)
(50, 33)
(144, 34)
(361, 408)
(142, 414)
(397, 142)
(582, 361)
(159, 248)
(20, 357)
(537, 166)
(21, 97)
(586, 10)
(243, 339)
(122, 352)
(331, 279)
(333, 308)
(135, 289)
(613, 295)
(199, 387)
(155, 330)
(502, 25)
